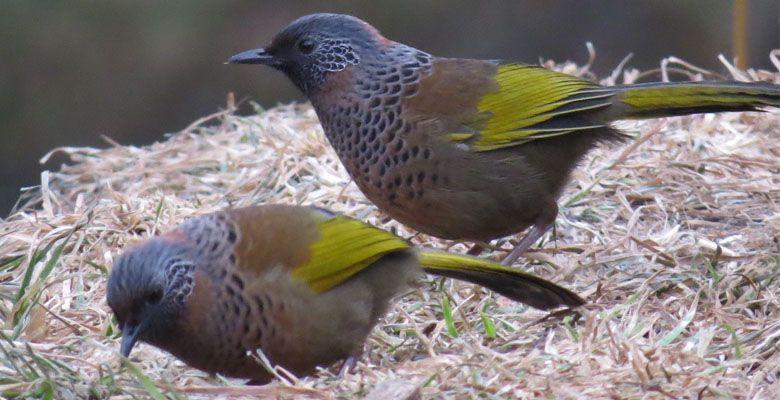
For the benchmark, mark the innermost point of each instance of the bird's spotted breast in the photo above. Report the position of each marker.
(245, 313)
(367, 129)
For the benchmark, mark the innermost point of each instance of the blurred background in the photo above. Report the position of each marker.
(134, 70)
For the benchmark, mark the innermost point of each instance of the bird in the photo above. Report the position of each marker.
(467, 149)
(301, 284)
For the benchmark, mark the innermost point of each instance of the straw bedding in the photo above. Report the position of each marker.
(673, 239)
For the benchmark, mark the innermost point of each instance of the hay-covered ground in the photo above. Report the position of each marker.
(673, 239)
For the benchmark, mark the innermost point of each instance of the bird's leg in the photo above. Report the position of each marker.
(349, 364)
(475, 249)
(529, 239)
(542, 224)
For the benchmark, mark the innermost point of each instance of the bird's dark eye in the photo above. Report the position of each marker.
(154, 296)
(306, 46)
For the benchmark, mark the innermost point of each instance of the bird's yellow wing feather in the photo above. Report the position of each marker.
(531, 102)
(345, 247)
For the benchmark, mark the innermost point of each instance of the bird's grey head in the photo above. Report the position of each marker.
(316, 45)
(148, 288)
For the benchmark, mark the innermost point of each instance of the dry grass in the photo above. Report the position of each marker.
(673, 239)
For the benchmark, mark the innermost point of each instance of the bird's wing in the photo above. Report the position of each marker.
(489, 105)
(344, 248)
(317, 247)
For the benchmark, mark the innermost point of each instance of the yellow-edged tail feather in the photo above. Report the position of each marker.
(669, 99)
(519, 286)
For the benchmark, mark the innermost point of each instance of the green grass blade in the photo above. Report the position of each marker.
(448, 316)
(145, 381)
(573, 332)
(737, 347)
(674, 333)
(490, 328)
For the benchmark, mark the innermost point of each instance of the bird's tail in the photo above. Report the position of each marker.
(519, 286)
(652, 100)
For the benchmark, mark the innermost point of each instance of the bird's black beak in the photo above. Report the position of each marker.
(129, 337)
(256, 56)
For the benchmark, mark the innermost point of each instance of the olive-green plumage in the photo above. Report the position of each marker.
(462, 148)
(301, 284)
